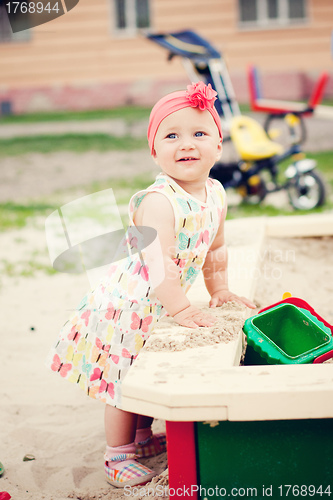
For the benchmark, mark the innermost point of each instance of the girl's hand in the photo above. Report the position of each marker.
(222, 296)
(192, 317)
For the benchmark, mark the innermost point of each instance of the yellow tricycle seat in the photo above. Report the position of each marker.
(251, 141)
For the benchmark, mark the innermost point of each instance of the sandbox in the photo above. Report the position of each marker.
(237, 430)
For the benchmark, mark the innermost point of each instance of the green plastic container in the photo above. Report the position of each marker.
(285, 334)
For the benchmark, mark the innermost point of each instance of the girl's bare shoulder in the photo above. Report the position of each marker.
(154, 206)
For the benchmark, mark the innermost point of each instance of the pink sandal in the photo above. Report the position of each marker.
(128, 473)
(152, 446)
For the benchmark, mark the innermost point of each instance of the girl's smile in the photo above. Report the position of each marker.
(188, 159)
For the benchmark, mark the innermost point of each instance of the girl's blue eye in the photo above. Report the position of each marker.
(171, 136)
(199, 134)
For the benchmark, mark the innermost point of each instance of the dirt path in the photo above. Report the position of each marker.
(32, 176)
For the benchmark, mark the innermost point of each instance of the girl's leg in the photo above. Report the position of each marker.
(123, 428)
(144, 422)
(144, 431)
(120, 426)
(121, 466)
(148, 444)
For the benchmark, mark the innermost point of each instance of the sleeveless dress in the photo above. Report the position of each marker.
(101, 340)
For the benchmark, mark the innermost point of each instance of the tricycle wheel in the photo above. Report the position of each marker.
(254, 191)
(277, 128)
(307, 191)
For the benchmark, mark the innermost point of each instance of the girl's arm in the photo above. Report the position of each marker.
(156, 211)
(215, 272)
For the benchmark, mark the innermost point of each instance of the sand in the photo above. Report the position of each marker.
(301, 266)
(226, 328)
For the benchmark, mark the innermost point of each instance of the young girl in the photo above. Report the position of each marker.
(99, 343)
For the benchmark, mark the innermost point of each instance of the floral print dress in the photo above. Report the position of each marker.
(101, 340)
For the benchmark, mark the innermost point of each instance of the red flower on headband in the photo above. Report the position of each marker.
(201, 96)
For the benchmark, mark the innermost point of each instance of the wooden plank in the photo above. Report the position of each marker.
(83, 65)
(301, 43)
(282, 64)
(81, 54)
(170, 6)
(300, 226)
(237, 393)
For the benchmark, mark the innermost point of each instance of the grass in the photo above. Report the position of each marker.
(16, 215)
(327, 102)
(26, 268)
(128, 113)
(77, 143)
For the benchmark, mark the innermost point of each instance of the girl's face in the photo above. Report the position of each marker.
(187, 144)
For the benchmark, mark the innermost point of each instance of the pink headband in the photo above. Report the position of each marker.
(197, 95)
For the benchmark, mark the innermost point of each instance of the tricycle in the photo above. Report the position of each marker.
(258, 154)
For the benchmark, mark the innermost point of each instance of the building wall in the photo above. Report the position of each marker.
(77, 62)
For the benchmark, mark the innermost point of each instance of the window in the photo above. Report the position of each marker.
(6, 33)
(131, 15)
(263, 13)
